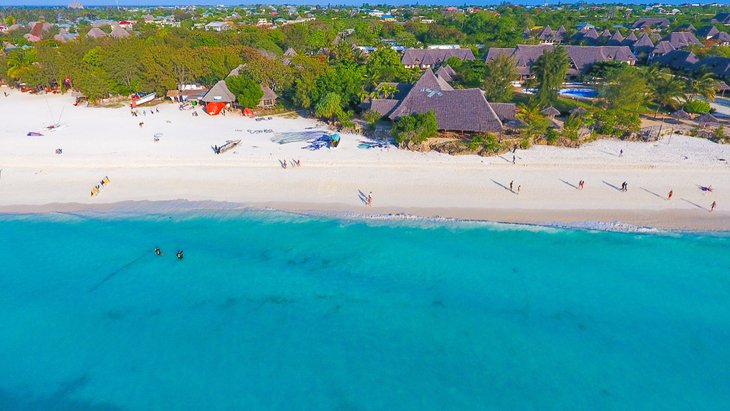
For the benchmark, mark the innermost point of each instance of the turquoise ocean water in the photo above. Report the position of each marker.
(271, 311)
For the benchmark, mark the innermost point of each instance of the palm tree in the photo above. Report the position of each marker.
(19, 61)
(654, 72)
(550, 70)
(536, 123)
(703, 85)
(668, 91)
(388, 90)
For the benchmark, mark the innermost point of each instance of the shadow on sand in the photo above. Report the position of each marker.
(570, 184)
(653, 193)
(503, 186)
(695, 204)
(611, 185)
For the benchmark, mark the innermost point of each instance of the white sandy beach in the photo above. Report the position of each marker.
(100, 142)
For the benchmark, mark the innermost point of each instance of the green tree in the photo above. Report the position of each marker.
(571, 127)
(415, 128)
(703, 85)
(536, 124)
(329, 106)
(121, 60)
(625, 90)
(371, 118)
(384, 65)
(667, 91)
(625, 93)
(550, 70)
(19, 62)
(498, 78)
(247, 91)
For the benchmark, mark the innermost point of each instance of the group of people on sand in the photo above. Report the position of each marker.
(625, 187)
(159, 252)
(97, 188)
(670, 194)
(294, 163)
(135, 113)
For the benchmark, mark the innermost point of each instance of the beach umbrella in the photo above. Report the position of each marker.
(707, 119)
(550, 111)
(680, 115)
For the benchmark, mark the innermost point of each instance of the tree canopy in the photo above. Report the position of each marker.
(550, 70)
(499, 74)
(247, 91)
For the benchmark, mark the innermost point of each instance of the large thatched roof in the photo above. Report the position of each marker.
(432, 57)
(219, 93)
(455, 110)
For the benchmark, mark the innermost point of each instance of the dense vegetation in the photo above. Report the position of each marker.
(331, 77)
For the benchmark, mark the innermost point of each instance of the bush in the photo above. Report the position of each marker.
(551, 136)
(415, 128)
(720, 132)
(697, 107)
(371, 118)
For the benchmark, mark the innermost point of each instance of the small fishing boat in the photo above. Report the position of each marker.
(229, 145)
(139, 99)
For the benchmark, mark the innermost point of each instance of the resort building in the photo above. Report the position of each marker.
(426, 58)
(217, 26)
(219, 95)
(722, 18)
(548, 36)
(581, 57)
(678, 60)
(650, 23)
(463, 110)
(682, 39)
(95, 33)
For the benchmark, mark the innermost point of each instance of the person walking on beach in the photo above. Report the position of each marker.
(370, 199)
(713, 205)
(669, 196)
(518, 188)
(624, 186)
(513, 159)
(621, 153)
(510, 186)
(580, 184)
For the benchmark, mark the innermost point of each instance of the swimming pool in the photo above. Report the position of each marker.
(583, 92)
(580, 92)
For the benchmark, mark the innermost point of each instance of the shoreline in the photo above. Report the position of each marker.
(179, 171)
(661, 221)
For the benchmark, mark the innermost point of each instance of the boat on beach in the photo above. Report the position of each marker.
(139, 99)
(229, 145)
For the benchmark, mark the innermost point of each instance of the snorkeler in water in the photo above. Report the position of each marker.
(180, 255)
(158, 251)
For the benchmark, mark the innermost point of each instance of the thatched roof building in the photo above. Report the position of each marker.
(581, 57)
(456, 110)
(425, 58)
